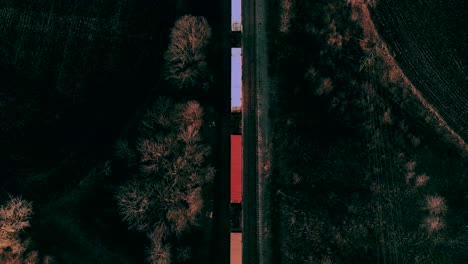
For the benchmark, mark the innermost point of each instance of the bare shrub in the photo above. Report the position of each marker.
(434, 223)
(421, 180)
(409, 176)
(325, 87)
(186, 64)
(296, 178)
(361, 14)
(311, 74)
(335, 39)
(387, 118)
(415, 141)
(286, 15)
(410, 166)
(393, 75)
(48, 260)
(435, 204)
(32, 258)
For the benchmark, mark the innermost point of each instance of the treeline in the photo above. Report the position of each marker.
(359, 177)
(168, 194)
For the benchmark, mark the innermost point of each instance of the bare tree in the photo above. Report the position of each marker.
(137, 205)
(186, 64)
(159, 252)
(165, 199)
(14, 219)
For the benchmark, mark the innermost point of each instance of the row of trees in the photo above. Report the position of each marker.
(166, 196)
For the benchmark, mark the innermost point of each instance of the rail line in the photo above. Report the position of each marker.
(255, 131)
(250, 210)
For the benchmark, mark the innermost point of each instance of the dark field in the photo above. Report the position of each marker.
(79, 78)
(428, 40)
(362, 174)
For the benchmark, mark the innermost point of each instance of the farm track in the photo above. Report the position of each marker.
(442, 83)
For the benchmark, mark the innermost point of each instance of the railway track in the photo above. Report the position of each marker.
(255, 129)
(250, 213)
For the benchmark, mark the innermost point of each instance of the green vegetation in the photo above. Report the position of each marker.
(363, 171)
